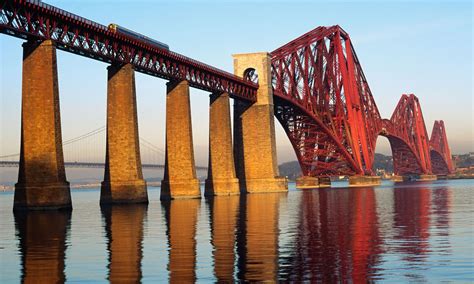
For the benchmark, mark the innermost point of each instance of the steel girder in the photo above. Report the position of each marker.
(325, 104)
(441, 160)
(408, 126)
(35, 20)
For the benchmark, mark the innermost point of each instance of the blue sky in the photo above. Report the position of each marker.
(423, 48)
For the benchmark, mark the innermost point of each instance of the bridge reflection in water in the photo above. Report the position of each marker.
(181, 218)
(337, 237)
(42, 237)
(325, 235)
(124, 232)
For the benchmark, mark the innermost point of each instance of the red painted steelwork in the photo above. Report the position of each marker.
(35, 20)
(408, 138)
(324, 103)
(441, 160)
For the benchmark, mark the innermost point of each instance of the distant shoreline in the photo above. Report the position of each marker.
(6, 188)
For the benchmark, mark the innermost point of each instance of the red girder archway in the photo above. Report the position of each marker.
(408, 138)
(440, 154)
(324, 103)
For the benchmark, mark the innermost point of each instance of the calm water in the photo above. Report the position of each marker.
(413, 232)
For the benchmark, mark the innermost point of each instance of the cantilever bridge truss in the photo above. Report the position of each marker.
(324, 103)
(321, 96)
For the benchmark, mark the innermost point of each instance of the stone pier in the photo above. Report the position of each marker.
(42, 180)
(361, 181)
(397, 178)
(324, 182)
(313, 182)
(180, 172)
(123, 178)
(254, 130)
(221, 178)
(427, 177)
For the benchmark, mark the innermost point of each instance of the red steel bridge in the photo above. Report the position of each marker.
(321, 96)
(325, 105)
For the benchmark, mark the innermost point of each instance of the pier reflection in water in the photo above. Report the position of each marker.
(223, 212)
(42, 237)
(124, 233)
(411, 233)
(181, 218)
(257, 236)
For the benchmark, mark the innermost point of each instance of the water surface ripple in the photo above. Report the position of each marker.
(413, 232)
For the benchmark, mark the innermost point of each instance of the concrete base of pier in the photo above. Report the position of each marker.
(124, 192)
(225, 186)
(426, 178)
(52, 196)
(398, 179)
(442, 177)
(313, 182)
(277, 184)
(324, 182)
(180, 189)
(360, 181)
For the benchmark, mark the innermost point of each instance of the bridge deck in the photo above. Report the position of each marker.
(72, 33)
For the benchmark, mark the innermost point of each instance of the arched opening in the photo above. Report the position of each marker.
(288, 163)
(251, 74)
(438, 164)
(382, 164)
(405, 162)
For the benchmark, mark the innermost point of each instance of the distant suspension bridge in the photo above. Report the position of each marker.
(88, 151)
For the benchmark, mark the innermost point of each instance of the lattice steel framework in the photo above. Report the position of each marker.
(324, 103)
(408, 138)
(441, 160)
(35, 20)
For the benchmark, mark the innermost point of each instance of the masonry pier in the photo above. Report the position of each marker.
(180, 172)
(123, 178)
(313, 182)
(254, 130)
(42, 180)
(361, 181)
(397, 178)
(221, 178)
(427, 177)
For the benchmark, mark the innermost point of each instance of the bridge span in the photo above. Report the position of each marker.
(314, 85)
